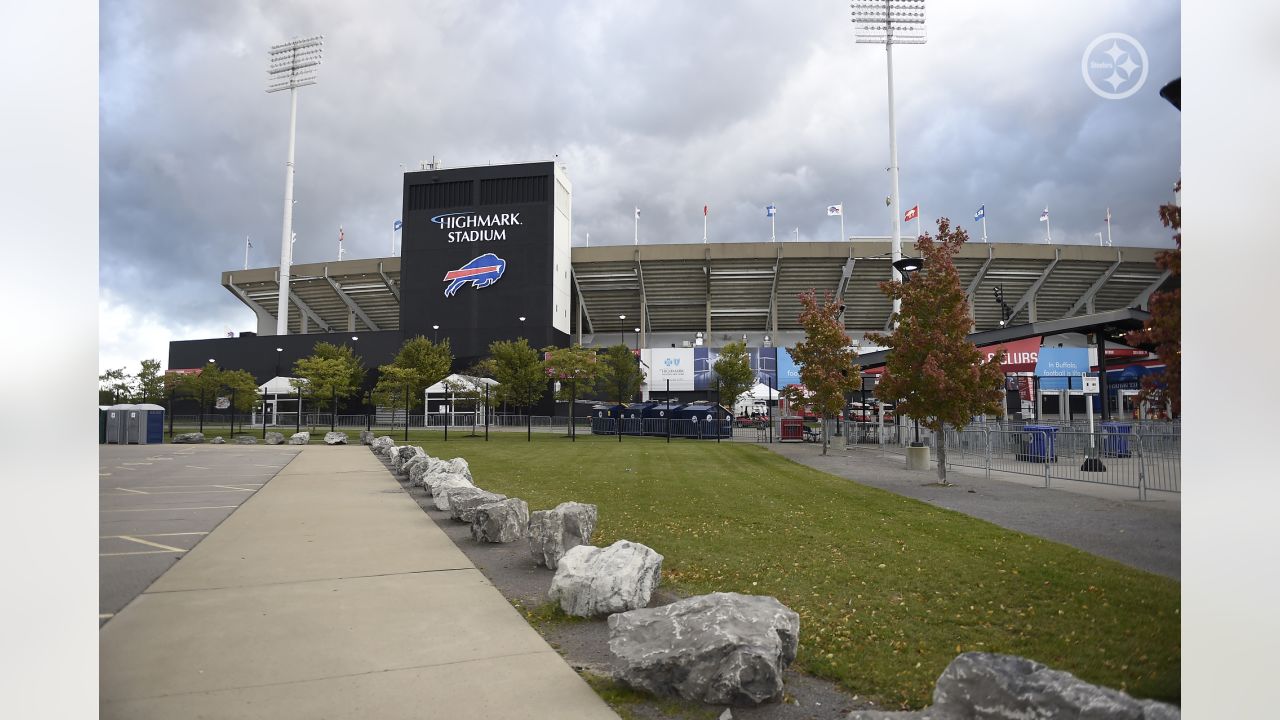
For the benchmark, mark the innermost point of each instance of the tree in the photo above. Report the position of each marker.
(330, 371)
(733, 370)
(1164, 329)
(212, 382)
(937, 374)
(827, 369)
(519, 372)
(418, 365)
(150, 383)
(114, 386)
(239, 386)
(575, 368)
(468, 390)
(620, 376)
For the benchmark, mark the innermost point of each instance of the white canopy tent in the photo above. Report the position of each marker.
(280, 400)
(754, 399)
(445, 394)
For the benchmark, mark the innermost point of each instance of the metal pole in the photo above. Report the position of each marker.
(717, 411)
(1102, 374)
(486, 413)
(286, 257)
(894, 201)
(264, 416)
(333, 415)
(573, 400)
(528, 423)
(171, 406)
(232, 431)
(668, 411)
(298, 416)
(769, 407)
(406, 413)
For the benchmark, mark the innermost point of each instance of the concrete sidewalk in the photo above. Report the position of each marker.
(329, 594)
(1098, 519)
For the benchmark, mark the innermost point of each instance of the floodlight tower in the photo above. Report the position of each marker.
(890, 22)
(289, 67)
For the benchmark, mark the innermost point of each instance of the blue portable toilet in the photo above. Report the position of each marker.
(150, 422)
(633, 417)
(655, 417)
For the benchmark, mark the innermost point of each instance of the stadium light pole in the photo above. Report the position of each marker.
(890, 22)
(290, 66)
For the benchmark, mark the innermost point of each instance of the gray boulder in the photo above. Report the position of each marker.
(439, 490)
(246, 440)
(218, 441)
(435, 483)
(722, 648)
(381, 443)
(463, 502)
(553, 532)
(407, 467)
(503, 521)
(275, 438)
(403, 453)
(598, 581)
(419, 468)
(188, 438)
(300, 438)
(366, 437)
(988, 686)
(458, 466)
(335, 438)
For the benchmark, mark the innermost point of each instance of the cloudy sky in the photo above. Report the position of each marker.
(659, 104)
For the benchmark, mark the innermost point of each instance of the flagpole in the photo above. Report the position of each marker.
(1108, 227)
(637, 226)
(773, 224)
(1048, 234)
(246, 252)
(704, 224)
(984, 223)
(918, 233)
(339, 243)
(842, 236)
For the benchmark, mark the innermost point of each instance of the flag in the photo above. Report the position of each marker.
(1044, 216)
(637, 213)
(397, 225)
(1107, 219)
(981, 213)
(770, 210)
(704, 211)
(912, 214)
(340, 234)
(248, 242)
(833, 210)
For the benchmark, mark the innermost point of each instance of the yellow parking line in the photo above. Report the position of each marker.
(152, 544)
(206, 507)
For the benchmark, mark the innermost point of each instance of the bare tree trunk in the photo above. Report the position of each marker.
(942, 453)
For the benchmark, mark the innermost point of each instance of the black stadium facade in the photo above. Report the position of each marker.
(486, 255)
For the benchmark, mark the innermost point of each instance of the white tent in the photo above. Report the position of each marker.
(460, 383)
(277, 386)
(754, 399)
(444, 394)
(281, 401)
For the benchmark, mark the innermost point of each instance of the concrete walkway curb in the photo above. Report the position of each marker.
(330, 594)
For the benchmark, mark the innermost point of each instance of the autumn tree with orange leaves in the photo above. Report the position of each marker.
(1164, 329)
(932, 369)
(826, 360)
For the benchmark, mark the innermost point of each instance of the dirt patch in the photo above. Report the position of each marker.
(585, 643)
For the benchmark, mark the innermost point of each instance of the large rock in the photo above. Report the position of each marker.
(722, 648)
(188, 438)
(246, 440)
(300, 438)
(381, 443)
(335, 438)
(390, 452)
(463, 502)
(500, 522)
(441, 497)
(418, 470)
(275, 438)
(435, 483)
(403, 453)
(553, 532)
(366, 437)
(218, 441)
(987, 686)
(411, 463)
(597, 581)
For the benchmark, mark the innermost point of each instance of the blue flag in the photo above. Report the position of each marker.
(397, 225)
(981, 213)
(769, 210)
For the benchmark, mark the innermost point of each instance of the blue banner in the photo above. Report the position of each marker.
(1062, 362)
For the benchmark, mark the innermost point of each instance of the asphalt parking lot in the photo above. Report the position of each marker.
(156, 502)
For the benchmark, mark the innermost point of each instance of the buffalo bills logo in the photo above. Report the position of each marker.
(480, 273)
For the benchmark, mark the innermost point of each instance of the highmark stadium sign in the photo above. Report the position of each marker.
(473, 227)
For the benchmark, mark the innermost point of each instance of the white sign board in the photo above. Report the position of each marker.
(674, 364)
(1090, 384)
(222, 403)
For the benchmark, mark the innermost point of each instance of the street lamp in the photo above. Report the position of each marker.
(1005, 313)
(354, 338)
(435, 334)
(891, 22)
(291, 65)
(908, 267)
(622, 337)
(637, 338)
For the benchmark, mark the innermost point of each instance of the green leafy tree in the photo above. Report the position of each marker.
(240, 387)
(519, 372)
(575, 368)
(331, 370)
(114, 386)
(212, 382)
(1164, 329)
(150, 383)
(733, 369)
(620, 376)
(825, 358)
(932, 367)
(418, 365)
(202, 386)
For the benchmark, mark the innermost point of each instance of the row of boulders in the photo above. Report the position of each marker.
(722, 648)
(988, 686)
(272, 438)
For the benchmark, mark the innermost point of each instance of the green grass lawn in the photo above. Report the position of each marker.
(888, 589)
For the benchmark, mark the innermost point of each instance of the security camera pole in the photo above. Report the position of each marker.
(291, 66)
(890, 22)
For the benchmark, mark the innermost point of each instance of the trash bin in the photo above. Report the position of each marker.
(699, 420)
(604, 418)
(655, 417)
(1038, 443)
(633, 417)
(1115, 439)
(791, 429)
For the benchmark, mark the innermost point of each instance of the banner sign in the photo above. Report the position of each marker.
(674, 364)
(1062, 362)
(788, 370)
(1019, 355)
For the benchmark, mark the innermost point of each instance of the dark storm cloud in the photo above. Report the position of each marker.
(665, 105)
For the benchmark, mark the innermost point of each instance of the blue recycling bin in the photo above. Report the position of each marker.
(656, 418)
(604, 418)
(1115, 439)
(699, 421)
(1039, 443)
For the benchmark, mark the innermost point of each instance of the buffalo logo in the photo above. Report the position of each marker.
(480, 273)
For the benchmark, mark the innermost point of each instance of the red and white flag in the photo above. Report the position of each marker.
(704, 210)
(912, 214)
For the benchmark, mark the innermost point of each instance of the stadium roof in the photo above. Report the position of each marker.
(738, 286)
